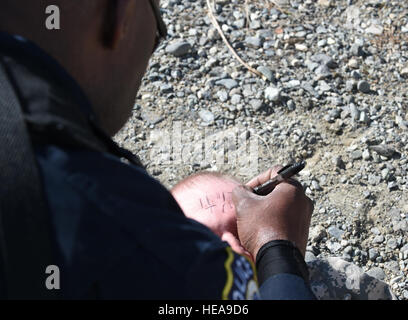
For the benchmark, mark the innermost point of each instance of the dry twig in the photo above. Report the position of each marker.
(217, 26)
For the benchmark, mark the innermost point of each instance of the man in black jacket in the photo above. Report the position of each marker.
(115, 231)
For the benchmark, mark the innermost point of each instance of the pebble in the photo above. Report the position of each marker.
(222, 95)
(356, 155)
(254, 42)
(206, 116)
(383, 150)
(375, 29)
(404, 72)
(366, 155)
(339, 162)
(393, 185)
(335, 232)
(266, 72)
(377, 273)
(309, 256)
(179, 48)
(236, 98)
(364, 117)
(256, 104)
(227, 83)
(353, 63)
(324, 59)
(317, 233)
(357, 50)
(355, 113)
(378, 239)
(273, 94)
(373, 254)
(363, 86)
(392, 243)
(301, 47)
(355, 74)
(316, 186)
(166, 88)
(291, 105)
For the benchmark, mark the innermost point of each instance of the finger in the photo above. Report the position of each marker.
(264, 177)
(242, 197)
(233, 242)
(241, 194)
(235, 245)
(295, 183)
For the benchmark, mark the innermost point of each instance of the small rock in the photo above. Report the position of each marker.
(301, 47)
(273, 94)
(324, 3)
(353, 63)
(339, 162)
(206, 116)
(366, 154)
(351, 85)
(335, 232)
(316, 186)
(356, 155)
(318, 233)
(374, 180)
(322, 43)
(256, 104)
(309, 256)
(255, 42)
(355, 74)
(166, 88)
(392, 266)
(179, 49)
(152, 117)
(222, 95)
(375, 29)
(383, 150)
(291, 105)
(333, 246)
(393, 185)
(363, 86)
(354, 112)
(357, 50)
(373, 254)
(323, 72)
(392, 243)
(378, 239)
(404, 72)
(377, 273)
(324, 59)
(266, 72)
(227, 83)
(364, 118)
(236, 99)
(293, 83)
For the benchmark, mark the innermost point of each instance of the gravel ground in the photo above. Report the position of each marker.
(334, 93)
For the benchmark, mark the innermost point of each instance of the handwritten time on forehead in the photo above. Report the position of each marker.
(220, 200)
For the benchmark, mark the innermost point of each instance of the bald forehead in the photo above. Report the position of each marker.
(206, 181)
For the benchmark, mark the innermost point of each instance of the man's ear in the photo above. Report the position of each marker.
(116, 22)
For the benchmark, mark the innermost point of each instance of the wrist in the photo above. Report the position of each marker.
(280, 256)
(264, 238)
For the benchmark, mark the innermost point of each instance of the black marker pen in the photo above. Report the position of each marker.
(283, 174)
